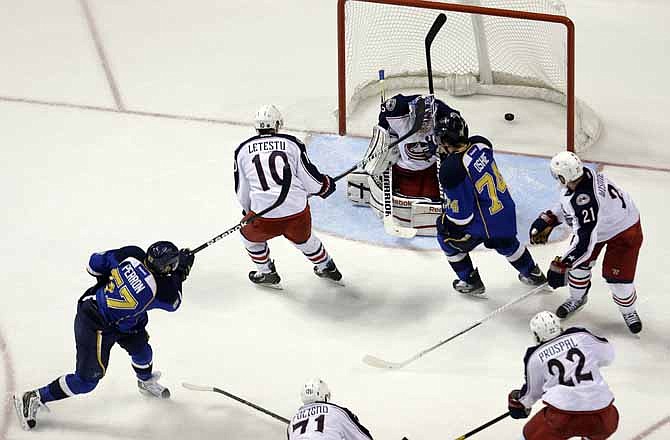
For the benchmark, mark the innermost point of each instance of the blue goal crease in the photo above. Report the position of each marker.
(528, 178)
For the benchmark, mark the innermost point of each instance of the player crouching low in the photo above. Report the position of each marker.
(602, 216)
(318, 418)
(258, 182)
(478, 206)
(564, 371)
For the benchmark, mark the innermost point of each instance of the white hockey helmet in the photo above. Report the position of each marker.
(315, 390)
(268, 117)
(566, 167)
(545, 326)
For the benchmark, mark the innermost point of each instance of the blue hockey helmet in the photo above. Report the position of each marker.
(162, 257)
(450, 128)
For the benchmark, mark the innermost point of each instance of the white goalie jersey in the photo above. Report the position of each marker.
(325, 421)
(565, 372)
(597, 210)
(258, 169)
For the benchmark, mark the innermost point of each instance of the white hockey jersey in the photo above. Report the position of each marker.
(597, 210)
(258, 167)
(565, 372)
(326, 421)
(397, 117)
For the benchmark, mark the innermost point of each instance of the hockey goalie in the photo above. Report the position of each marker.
(400, 183)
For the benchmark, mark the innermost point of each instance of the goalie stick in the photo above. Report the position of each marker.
(390, 226)
(286, 186)
(193, 387)
(374, 361)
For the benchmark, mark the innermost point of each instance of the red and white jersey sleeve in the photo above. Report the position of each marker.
(565, 372)
(326, 421)
(258, 169)
(597, 210)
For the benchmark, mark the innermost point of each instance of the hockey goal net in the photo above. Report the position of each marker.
(515, 48)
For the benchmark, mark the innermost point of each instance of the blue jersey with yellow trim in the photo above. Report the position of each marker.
(477, 197)
(131, 289)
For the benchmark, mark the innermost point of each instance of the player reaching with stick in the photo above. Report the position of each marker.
(602, 216)
(564, 371)
(258, 164)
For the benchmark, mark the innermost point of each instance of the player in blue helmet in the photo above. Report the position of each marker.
(130, 282)
(478, 207)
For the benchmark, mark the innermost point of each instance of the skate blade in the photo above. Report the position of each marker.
(277, 286)
(474, 294)
(26, 425)
(165, 394)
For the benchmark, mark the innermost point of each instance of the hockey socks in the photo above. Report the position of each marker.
(624, 296)
(315, 252)
(523, 263)
(462, 265)
(259, 254)
(66, 386)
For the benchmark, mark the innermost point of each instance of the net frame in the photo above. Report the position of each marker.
(575, 108)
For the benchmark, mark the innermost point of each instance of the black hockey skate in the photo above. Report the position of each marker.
(267, 279)
(633, 322)
(27, 406)
(536, 277)
(571, 306)
(329, 272)
(473, 286)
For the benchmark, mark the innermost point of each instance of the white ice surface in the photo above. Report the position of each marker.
(76, 181)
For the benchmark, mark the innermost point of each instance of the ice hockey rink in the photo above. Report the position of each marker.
(118, 121)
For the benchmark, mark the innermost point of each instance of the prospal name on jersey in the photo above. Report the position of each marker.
(311, 411)
(256, 147)
(557, 348)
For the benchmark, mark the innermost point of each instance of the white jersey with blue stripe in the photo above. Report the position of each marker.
(565, 372)
(325, 421)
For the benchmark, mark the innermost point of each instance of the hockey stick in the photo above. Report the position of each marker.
(430, 37)
(390, 226)
(420, 109)
(483, 427)
(192, 387)
(381, 363)
(286, 185)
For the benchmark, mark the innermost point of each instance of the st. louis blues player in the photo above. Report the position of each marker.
(478, 207)
(130, 282)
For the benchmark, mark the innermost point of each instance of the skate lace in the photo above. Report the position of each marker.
(631, 318)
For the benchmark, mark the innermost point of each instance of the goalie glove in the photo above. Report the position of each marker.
(378, 156)
(557, 276)
(542, 227)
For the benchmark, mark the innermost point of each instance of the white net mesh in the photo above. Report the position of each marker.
(472, 54)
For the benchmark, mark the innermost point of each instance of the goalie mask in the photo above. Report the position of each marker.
(450, 129)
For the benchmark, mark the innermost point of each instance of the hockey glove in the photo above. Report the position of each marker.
(542, 227)
(186, 259)
(454, 235)
(516, 408)
(327, 188)
(429, 148)
(557, 276)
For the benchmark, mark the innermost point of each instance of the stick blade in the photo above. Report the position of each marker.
(376, 362)
(192, 387)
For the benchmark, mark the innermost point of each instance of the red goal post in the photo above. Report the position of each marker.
(491, 50)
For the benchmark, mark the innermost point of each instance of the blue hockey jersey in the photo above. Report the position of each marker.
(131, 289)
(477, 197)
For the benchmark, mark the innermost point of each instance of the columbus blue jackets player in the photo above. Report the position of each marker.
(130, 282)
(478, 206)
